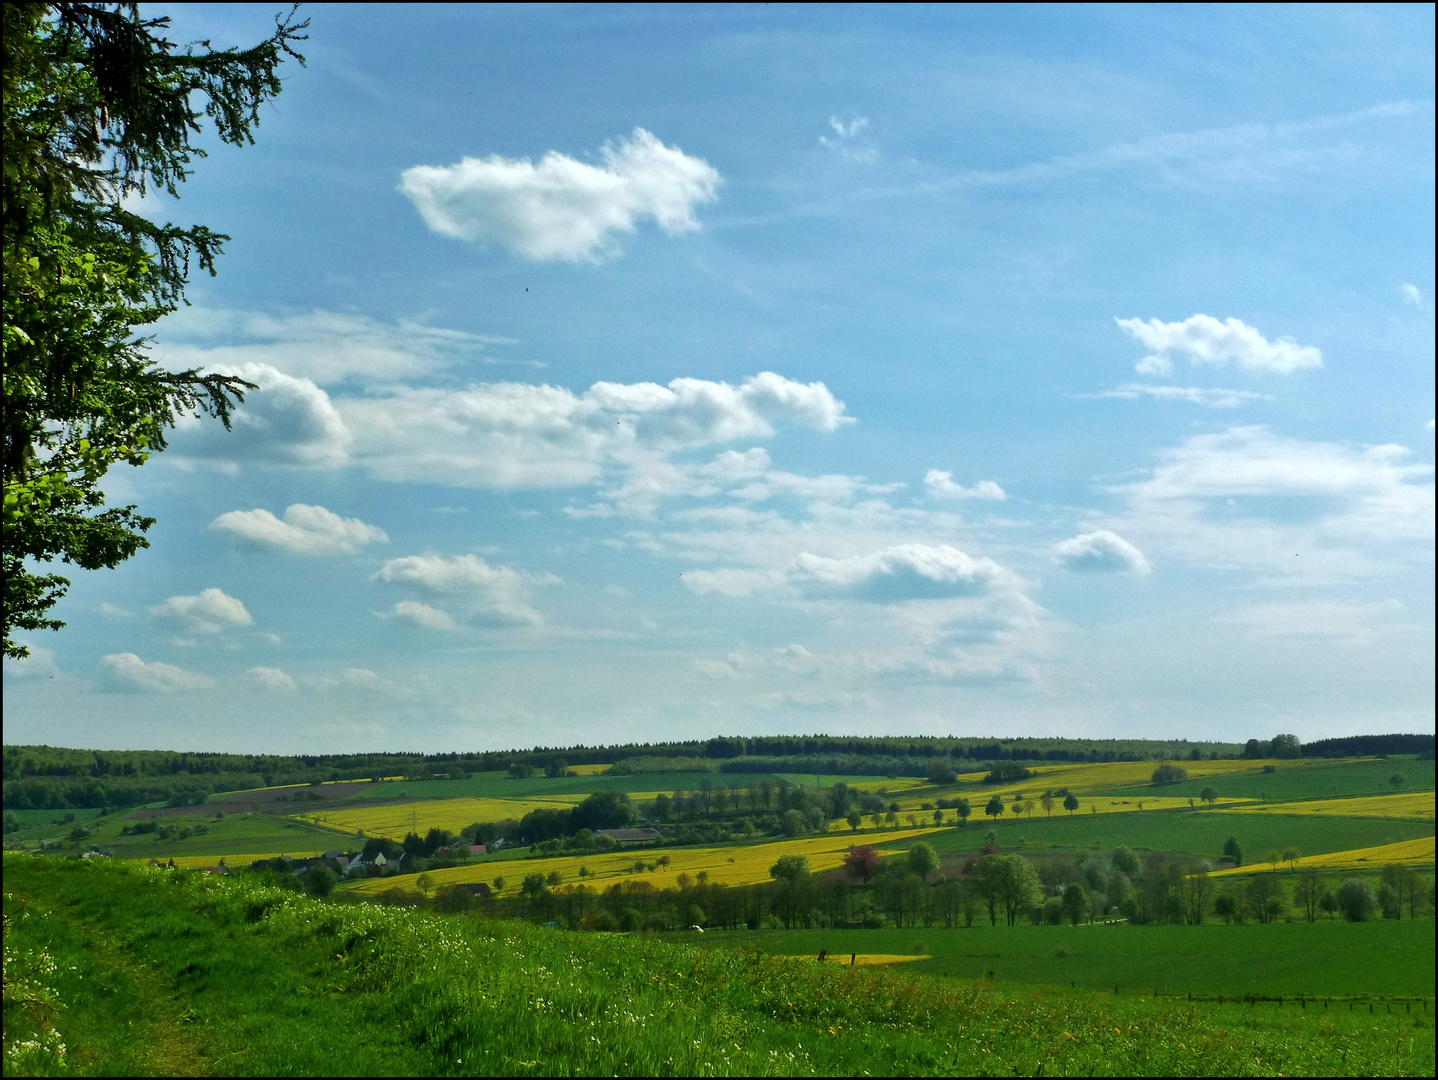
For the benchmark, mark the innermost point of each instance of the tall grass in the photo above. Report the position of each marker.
(238, 977)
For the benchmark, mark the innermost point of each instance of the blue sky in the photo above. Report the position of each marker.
(651, 373)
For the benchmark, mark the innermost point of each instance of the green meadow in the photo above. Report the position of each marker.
(1309, 781)
(1322, 959)
(129, 971)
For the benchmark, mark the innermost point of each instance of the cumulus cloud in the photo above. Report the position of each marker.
(510, 435)
(562, 208)
(128, 672)
(1100, 552)
(286, 421)
(1247, 497)
(1212, 398)
(490, 595)
(305, 530)
(417, 614)
(941, 485)
(899, 573)
(1206, 340)
(268, 678)
(209, 612)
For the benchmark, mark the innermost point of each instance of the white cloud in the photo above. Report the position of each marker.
(491, 595)
(941, 486)
(417, 614)
(305, 530)
(1205, 340)
(1100, 552)
(1412, 294)
(729, 581)
(209, 612)
(811, 700)
(1248, 498)
(40, 664)
(563, 208)
(269, 678)
(716, 669)
(128, 671)
(900, 573)
(848, 140)
(1215, 398)
(510, 435)
(287, 421)
(324, 347)
(114, 611)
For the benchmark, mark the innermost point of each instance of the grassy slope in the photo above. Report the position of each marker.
(231, 835)
(1319, 959)
(183, 973)
(1201, 832)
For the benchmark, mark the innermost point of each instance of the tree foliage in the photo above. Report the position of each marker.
(99, 107)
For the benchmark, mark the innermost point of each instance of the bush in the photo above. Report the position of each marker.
(320, 881)
(1168, 773)
(1356, 900)
(1007, 772)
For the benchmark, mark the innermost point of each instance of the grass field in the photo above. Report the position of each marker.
(745, 864)
(172, 973)
(1407, 853)
(1317, 959)
(1316, 778)
(1407, 806)
(498, 785)
(235, 834)
(1198, 832)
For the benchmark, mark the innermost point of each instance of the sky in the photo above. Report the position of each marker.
(644, 373)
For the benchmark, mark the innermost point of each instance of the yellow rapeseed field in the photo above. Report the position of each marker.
(589, 770)
(1407, 806)
(398, 819)
(734, 865)
(1088, 804)
(1406, 852)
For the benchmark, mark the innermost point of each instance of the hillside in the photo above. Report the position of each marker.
(184, 973)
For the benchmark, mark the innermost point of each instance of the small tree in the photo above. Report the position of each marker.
(1225, 906)
(1232, 851)
(995, 807)
(321, 881)
(498, 884)
(938, 817)
(1071, 803)
(922, 859)
(1290, 856)
(1047, 802)
(1168, 773)
(793, 822)
(1356, 900)
(1329, 903)
(855, 819)
(861, 863)
(1397, 780)
(1308, 893)
(789, 868)
(1125, 861)
(963, 809)
(1075, 903)
(424, 883)
(555, 879)
(1209, 795)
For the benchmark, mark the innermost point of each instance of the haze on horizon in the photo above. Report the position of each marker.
(643, 374)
